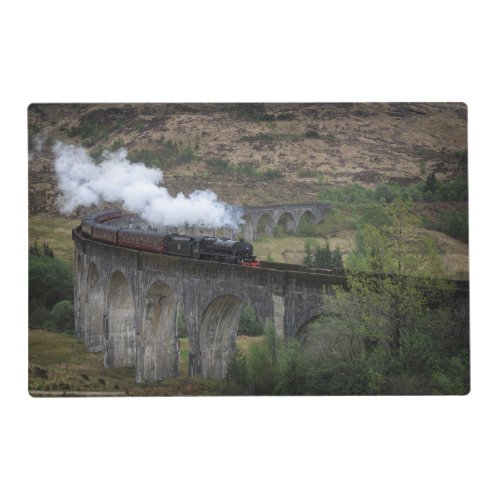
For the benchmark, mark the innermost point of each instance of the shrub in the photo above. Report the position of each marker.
(117, 144)
(271, 173)
(307, 228)
(251, 111)
(63, 316)
(312, 134)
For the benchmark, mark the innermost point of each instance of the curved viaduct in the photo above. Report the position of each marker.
(127, 304)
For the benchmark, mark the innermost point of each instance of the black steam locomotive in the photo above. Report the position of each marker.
(96, 227)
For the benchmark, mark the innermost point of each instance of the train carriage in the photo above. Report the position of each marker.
(148, 241)
(105, 233)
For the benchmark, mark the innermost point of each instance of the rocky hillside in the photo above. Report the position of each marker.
(254, 153)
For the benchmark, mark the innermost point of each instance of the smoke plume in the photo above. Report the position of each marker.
(83, 182)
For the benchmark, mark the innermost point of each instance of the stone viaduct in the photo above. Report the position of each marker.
(265, 219)
(127, 305)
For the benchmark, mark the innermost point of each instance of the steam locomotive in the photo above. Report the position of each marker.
(96, 227)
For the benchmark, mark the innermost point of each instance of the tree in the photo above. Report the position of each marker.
(323, 256)
(308, 259)
(262, 362)
(50, 281)
(396, 328)
(249, 324)
(396, 257)
(237, 372)
(337, 261)
(431, 183)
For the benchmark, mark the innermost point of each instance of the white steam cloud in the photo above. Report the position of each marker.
(82, 182)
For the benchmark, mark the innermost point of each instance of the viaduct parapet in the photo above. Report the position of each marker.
(127, 306)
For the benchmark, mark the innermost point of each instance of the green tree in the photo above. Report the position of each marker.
(337, 262)
(262, 362)
(308, 259)
(237, 373)
(50, 281)
(323, 256)
(396, 257)
(395, 329)
(431, 183)
(249, 324)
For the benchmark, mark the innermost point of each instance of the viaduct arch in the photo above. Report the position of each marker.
(264, 220)
(127, 303)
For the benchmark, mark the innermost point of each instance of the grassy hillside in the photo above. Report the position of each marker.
(56, 231)
(255, 153)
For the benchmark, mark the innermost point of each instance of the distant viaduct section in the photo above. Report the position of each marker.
(258, 221)
(264, 220)
(127, 305)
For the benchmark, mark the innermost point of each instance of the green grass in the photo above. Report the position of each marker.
(59, 362)
(290, 249)
(56, 231)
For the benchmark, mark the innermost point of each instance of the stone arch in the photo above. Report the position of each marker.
(308, 216)
(302, 330)
(158, 345)
(80, 293)
(287, 222)
(94, 332)
(218, 335)
(119, 324)
(306, 220)
(265, 225)
(247, 230)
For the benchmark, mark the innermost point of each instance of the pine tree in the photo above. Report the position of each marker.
(431, 183)
(308, 259)
(337, 262)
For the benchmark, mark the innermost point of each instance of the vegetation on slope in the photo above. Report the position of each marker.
(385, 334)
(58, 362)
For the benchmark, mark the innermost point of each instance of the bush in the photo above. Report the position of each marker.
(117, 144)
(312, 134)
(251, 111)
(307, 228)
(63, 316)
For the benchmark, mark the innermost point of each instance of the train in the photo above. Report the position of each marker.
(96, 227)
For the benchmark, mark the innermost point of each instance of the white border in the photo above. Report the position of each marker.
(259, 51)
